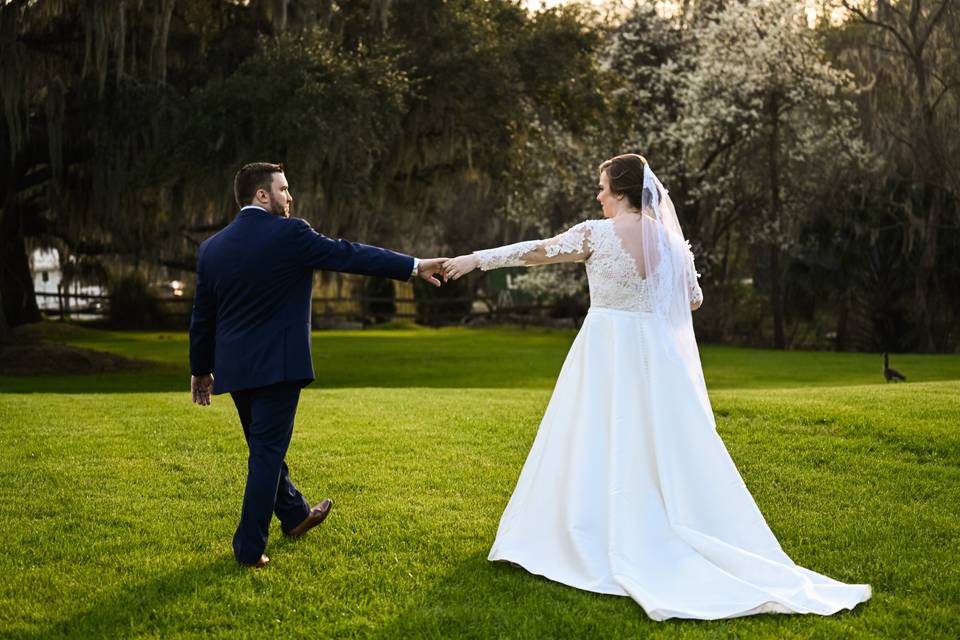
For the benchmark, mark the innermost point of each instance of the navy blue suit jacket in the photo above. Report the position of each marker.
(251, 312)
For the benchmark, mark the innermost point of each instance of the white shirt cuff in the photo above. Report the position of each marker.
(416, 267)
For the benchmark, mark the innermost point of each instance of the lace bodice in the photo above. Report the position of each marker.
(615, 280)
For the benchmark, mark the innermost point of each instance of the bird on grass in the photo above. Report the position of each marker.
(891, 375)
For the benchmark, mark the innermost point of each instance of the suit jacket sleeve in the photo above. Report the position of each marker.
(320, 252)
(203, 323)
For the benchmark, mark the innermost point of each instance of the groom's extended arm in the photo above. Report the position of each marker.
(320, 252)
(317, 251)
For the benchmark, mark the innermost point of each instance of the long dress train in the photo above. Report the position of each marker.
(628, 489)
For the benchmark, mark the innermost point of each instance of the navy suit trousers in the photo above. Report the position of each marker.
(267, 415)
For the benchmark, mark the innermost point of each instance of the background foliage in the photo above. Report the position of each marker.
(812, 153)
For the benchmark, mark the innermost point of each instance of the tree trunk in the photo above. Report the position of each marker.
(840, 343)
(912, 28)
(776, 299)
(930, 166)
(923, 280)
(4, 326)
(776, 291)
(16, 285)
(933, 174)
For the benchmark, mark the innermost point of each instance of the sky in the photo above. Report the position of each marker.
(667, 7)
(536, 4)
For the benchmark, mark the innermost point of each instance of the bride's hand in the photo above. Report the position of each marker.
(459, 266)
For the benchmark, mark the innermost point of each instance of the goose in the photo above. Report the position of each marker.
(891, 375)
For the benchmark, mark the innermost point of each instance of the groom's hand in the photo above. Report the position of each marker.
(202, 388)
(428, 269)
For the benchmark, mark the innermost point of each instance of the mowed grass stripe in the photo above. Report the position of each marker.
(460, 358)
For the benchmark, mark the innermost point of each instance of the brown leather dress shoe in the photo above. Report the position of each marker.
(317, 515)
(259, 564)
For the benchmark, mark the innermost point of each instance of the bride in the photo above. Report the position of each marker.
(628, 488)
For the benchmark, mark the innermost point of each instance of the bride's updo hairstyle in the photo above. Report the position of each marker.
(625, 173)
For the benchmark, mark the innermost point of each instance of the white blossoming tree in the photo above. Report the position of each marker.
(769, 132)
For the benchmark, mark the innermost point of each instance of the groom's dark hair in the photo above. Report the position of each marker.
(253, 177)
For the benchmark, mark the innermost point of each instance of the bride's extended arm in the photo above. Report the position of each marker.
(570, 246)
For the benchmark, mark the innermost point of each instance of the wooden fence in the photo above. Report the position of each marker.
(364, 309)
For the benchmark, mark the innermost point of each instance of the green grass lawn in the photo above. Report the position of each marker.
(118, 498)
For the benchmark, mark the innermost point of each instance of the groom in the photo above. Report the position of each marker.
(250, 336)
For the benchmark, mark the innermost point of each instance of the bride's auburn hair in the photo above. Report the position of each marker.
(625, 173)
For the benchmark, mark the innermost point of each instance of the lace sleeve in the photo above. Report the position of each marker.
(696, 293)
(570, 246)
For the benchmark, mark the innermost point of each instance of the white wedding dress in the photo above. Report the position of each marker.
(628, 489)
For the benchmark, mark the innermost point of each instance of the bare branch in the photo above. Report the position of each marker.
(932, 22)
(716, 153)
(882, 25)
(893, 7)
(893, 52)
(943, 92)
(896, 136)
(914, 14)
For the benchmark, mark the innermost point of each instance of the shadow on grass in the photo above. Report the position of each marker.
(346, 373)
(504, 359)
(153, 381)
(483, 599)
(141, 608)
(172, 381)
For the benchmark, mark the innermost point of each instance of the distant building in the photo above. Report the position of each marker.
(47, 285)
(45, 267)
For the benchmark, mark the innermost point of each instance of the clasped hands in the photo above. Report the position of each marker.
(449, 268)
(455, 268)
